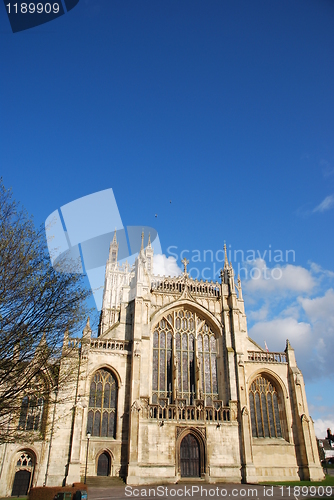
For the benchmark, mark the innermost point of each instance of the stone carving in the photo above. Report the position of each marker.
(144, 404)
(198, 372)
(135, 407)
(298, 379)
(185, 262)
(137, 350)
(244, 411)
(234, 410)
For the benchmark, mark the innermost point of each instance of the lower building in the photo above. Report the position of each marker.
(326, 448)
(172, 387)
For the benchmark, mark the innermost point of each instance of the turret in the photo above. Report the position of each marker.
(227, 274)
(140, 262)
(290, 354)
(42, 348)
(113, 250)
(149, 256)
(85, 341)
(224, 273)
(16, 352)
(65, 341)
(231, 278)
(110, 267)
(87, 331)
(239, 288)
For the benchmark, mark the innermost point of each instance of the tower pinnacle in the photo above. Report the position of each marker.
(226, 259)
(185, 262)
(113, 250)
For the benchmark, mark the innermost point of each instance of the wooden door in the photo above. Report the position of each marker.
(103, 465)
(190, 457)
(21, 483)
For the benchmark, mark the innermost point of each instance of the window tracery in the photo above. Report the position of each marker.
(102, 405)
(184, 359)
(25, 461)
(162, 361)
(207, 351)
(264, 409)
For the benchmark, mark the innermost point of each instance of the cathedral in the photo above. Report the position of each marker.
(171, 388)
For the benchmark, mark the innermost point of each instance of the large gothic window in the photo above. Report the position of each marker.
(32, 408)
(102, 405)
(184, 359)
(263, 402)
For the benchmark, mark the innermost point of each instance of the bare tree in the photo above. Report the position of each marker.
(37, 305)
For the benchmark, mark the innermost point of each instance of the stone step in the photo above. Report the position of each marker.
(104, 481)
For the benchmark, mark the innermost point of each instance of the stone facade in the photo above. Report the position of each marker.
(172, 386)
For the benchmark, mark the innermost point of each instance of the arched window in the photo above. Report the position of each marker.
(102, 405)
(263, 402)
(31, 413)
(184, 359)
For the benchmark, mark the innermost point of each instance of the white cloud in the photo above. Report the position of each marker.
(320, 312)
(321, 426)
(316, 269)
(276, 331)
(292, 311)
(285, 309)
(260, 314)
(320, 309)
(165, 266)
(325, 205)
(278, 279)
(327, 169)
(309, 325)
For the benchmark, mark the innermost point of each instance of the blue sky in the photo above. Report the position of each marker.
(224, 108)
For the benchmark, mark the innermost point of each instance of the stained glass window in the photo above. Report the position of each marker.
(184, 359)
(264, 409)
(101, 419)
(162, 361)
(206, 344)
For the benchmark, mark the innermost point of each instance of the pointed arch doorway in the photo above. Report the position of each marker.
(190, 457)
(23, 474)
